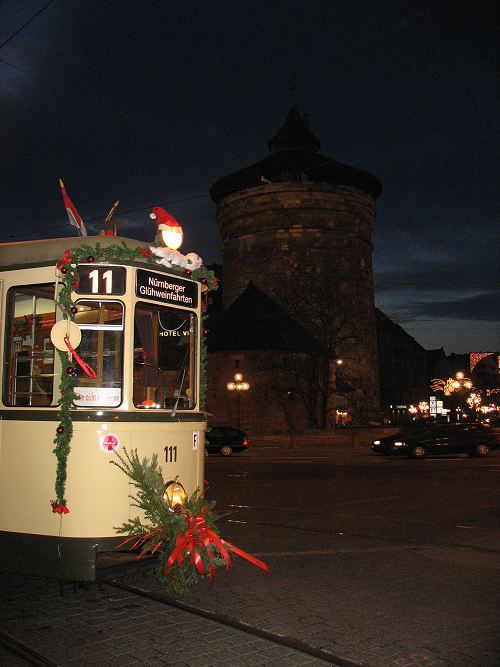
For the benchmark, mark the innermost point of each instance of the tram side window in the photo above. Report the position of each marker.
(164, 357)
(101, 347)
(29, 353)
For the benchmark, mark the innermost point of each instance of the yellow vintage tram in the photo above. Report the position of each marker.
(135, 373)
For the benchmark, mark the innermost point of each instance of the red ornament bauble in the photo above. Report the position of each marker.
(60, 430)
(63, 269)
(90, 259)
(70, 370)
(188, 272)
(204, 280)
(74, 310)
(76, 284)
(204, 331)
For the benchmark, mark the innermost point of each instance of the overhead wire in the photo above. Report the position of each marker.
(25, 24)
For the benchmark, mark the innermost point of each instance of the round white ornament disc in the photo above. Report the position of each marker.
(62, 329)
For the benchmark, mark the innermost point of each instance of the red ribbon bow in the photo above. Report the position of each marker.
(57, 508)
(198, 535)
(65, 259)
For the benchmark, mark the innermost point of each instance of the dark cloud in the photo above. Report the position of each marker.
(479, 307)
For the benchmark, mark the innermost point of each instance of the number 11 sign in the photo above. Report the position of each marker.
(100, 279)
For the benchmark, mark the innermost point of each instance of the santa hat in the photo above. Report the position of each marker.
(165, 221)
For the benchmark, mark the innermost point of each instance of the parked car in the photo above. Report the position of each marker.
(419, 440)
(225, 440)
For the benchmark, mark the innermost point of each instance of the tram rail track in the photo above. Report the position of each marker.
(357, 534)
(242, 626)
(29, 655)
(23, 651)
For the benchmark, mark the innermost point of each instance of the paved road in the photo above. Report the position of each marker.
(383, 562)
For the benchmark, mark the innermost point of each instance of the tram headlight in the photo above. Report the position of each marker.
(174, 494)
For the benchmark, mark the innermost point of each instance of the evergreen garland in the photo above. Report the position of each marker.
(69, 276)
(184, 537)
(162, 525)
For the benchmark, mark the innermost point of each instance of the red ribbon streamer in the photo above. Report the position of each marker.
(90, 372)
(197, 535)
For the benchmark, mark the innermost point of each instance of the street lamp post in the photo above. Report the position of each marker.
(239, 385)
(452, 386)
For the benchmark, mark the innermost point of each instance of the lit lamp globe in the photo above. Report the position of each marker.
(172, 238)
(174, 494)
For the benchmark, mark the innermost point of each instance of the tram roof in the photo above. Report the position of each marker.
(48, 251)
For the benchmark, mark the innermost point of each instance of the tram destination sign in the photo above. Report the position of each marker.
(167, 289)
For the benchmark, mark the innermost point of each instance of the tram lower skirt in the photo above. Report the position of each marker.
(67, 559)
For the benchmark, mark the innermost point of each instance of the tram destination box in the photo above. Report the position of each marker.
(167, 289)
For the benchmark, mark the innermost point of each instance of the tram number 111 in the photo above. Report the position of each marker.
(170, 454)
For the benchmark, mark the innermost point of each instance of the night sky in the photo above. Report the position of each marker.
(150, 102)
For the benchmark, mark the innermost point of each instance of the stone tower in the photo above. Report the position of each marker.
(300, 218)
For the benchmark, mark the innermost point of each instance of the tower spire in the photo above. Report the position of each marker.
(292, 89)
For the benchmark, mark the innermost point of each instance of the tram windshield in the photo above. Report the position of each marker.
(29, 353)
(164, 357)
(101, 347)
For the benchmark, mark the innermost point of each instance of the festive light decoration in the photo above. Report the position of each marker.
(69, 279)
(476, 357)
(451, 385)
(474, 401)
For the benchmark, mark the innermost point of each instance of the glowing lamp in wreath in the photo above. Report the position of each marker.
(174, 494)
(170, 232)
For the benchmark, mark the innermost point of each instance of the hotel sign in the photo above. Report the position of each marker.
(169, 290)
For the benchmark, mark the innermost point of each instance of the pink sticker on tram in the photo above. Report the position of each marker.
(109, 443)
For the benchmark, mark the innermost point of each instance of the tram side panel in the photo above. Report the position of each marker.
(38, 541)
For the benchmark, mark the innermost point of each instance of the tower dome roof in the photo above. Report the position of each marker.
(295, 157)
(294, 135)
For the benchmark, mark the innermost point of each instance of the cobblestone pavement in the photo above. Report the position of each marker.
(443, 612)
(107, 626)
(372, 601)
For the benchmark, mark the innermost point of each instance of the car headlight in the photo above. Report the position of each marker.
(398, 443)
(376, 442)
(174, 495)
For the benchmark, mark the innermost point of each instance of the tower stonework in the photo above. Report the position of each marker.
(299, 226)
